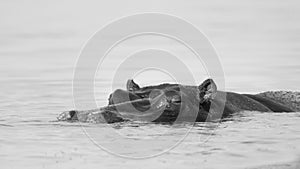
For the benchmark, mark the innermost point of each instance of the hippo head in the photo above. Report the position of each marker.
(165, 102)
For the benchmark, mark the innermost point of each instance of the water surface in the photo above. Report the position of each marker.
(258, 45)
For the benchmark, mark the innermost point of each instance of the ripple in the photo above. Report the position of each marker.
(6, 125)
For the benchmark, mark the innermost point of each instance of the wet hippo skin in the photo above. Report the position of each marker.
(174, 102)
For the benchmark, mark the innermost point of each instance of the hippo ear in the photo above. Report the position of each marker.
(208, 90)
(131, 85)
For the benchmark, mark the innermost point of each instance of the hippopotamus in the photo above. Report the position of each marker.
(174, 103)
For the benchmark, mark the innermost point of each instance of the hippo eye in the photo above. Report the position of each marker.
(176, 99)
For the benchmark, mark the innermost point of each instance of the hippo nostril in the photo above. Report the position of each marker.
(68, 116)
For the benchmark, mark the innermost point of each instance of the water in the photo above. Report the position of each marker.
(258, 47)
(251, 139)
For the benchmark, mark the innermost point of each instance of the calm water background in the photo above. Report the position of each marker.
(258, 44)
